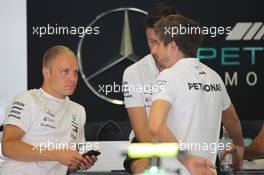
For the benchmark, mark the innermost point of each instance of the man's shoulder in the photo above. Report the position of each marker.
(26, 95)
(76, 105)
(23, 100)
(172, 75)
(171, 72)
(145, 61)
(211, 71)
(166, 76)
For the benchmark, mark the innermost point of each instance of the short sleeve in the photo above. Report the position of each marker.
(226, 101)
(165, 87)
(81, 138)
(132, 97)
(19, 112)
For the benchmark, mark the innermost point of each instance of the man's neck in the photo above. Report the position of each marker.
(159, 67)
(177, 57)
(51, 92)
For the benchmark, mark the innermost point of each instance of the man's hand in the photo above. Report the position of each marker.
(138, 166)
(69, 157)
(90, 160)
(198, 165)
(73, 158)
(85, 165)
(237, 156)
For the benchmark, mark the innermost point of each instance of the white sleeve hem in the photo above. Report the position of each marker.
(162, 97)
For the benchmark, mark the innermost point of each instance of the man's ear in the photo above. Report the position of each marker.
(173, 46)
(45, 72)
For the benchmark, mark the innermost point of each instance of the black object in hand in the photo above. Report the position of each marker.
(91, 153)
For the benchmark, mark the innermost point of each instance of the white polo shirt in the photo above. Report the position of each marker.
(47, 121)
(138, 80)
(198, 96)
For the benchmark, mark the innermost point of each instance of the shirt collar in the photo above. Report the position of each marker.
(52, 97)
(188, 62)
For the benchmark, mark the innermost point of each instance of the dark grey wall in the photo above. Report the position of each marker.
(99, 49)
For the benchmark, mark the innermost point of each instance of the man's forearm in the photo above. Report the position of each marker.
(158, 122)
(255, 149)
(250, 153)
(143, 135)
(235, 132)
(232, 124)
(139, 122)
(162, 134)
(21, 151)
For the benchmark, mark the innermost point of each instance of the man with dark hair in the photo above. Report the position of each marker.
(43, 127)
(191, 99)
(143, 73)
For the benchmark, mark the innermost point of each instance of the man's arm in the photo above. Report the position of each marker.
(158, 122)
(161, 133)
(139, 122)
(14, 148)
(256, 147)
(137, 115)
(135, 105)
(232, 124)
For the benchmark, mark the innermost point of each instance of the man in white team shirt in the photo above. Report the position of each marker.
(43, 126)
(143, 74)
(192, 99)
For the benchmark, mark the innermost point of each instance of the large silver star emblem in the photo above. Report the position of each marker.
(126, 51)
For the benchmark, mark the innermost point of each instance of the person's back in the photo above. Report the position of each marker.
(199, 98)
(191, 99)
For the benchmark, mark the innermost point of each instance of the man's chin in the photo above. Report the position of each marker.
(69, 92)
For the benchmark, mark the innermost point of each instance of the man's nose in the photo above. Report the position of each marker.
(153, 50)
(73, 77)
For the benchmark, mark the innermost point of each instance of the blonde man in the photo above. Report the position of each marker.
(43, 126)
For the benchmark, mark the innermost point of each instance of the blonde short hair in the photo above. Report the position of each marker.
(52, 52)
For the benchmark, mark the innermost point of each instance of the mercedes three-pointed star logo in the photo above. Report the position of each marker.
(126, 51)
